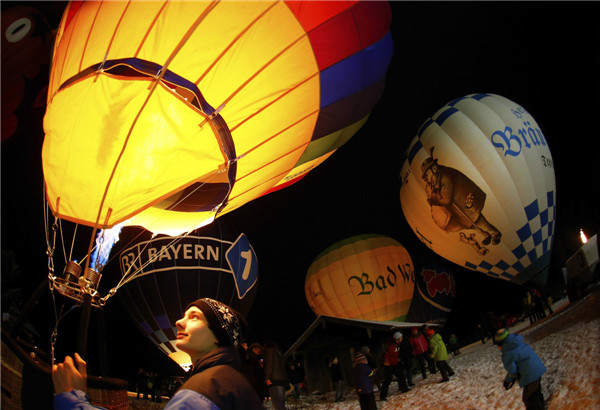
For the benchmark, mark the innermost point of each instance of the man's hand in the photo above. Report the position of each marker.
(70, 375)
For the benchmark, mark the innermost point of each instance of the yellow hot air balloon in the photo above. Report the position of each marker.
(478, 188)
(167, 114)
(368, 277)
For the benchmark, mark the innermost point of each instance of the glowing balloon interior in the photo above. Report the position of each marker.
(478, 187)
(367, 277)
(167, 114)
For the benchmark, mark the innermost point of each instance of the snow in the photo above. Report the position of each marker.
(572, 381)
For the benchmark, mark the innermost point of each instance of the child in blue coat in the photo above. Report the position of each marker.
(362, 382)
(522, 364)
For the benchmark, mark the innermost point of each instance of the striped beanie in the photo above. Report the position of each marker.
(360, 358)
(500, 336)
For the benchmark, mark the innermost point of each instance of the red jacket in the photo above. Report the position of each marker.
(391, 355)
(419, 344)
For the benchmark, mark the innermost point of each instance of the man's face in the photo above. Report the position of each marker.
(193, 334)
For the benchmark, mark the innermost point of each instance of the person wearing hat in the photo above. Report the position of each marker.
(391, 367)
(439, 354)
(406, 357)
(210, 332)
(373, 365)
(362, 374)
(522, 364)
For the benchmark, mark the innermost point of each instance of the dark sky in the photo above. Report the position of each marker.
(543, 55)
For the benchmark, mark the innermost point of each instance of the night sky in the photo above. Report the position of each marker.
(544, 56)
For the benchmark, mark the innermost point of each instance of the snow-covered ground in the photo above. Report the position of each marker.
(571, 355)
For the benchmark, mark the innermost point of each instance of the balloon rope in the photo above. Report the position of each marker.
(129, 275)
(139, 113)
(185, 38)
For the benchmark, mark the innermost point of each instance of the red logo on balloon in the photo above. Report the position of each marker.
(438, 283)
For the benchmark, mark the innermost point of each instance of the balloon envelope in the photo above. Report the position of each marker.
(435, 289)
(216, 263)
(367, 277)
(478, 187)
(168, 114)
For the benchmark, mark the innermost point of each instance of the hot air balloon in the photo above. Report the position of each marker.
(478, 188)
(215, 262)
(368, 277)
(435, 289)
(168, 114)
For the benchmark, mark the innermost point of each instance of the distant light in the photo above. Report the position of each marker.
(583, 237)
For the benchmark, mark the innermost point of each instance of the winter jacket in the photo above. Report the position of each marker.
(391, 355)
(336, 373)
(405, 352)
(274, 367)
(419, 344)
(519, 357)
(216, 376)
(437, 348)
(253, 369)
(362, 380)
(215, 384)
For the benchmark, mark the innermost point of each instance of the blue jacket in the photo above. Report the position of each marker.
(362, 380)
(519, 357)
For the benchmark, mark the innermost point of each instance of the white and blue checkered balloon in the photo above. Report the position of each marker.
(478, 187)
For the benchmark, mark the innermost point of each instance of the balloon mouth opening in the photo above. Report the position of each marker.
(212, 192)
(138, 68)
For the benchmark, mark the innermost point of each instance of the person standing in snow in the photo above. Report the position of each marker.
(362, 375)
(337, 379)
(430, 361)
(391, 367)
(439, 354)
(275, 375)
(453, 342)
(405, 356)
(373, 365)
(420, 348)
(522, 364)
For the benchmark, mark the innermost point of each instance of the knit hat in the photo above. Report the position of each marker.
(364, 349)
(360, 358)
(228, 325)
(429, 332)
(397, 335)
(500, 336)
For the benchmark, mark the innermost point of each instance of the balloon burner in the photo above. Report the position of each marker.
(74, 285)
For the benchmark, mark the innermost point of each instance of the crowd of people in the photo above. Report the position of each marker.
(423, 346)
(227, 373)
